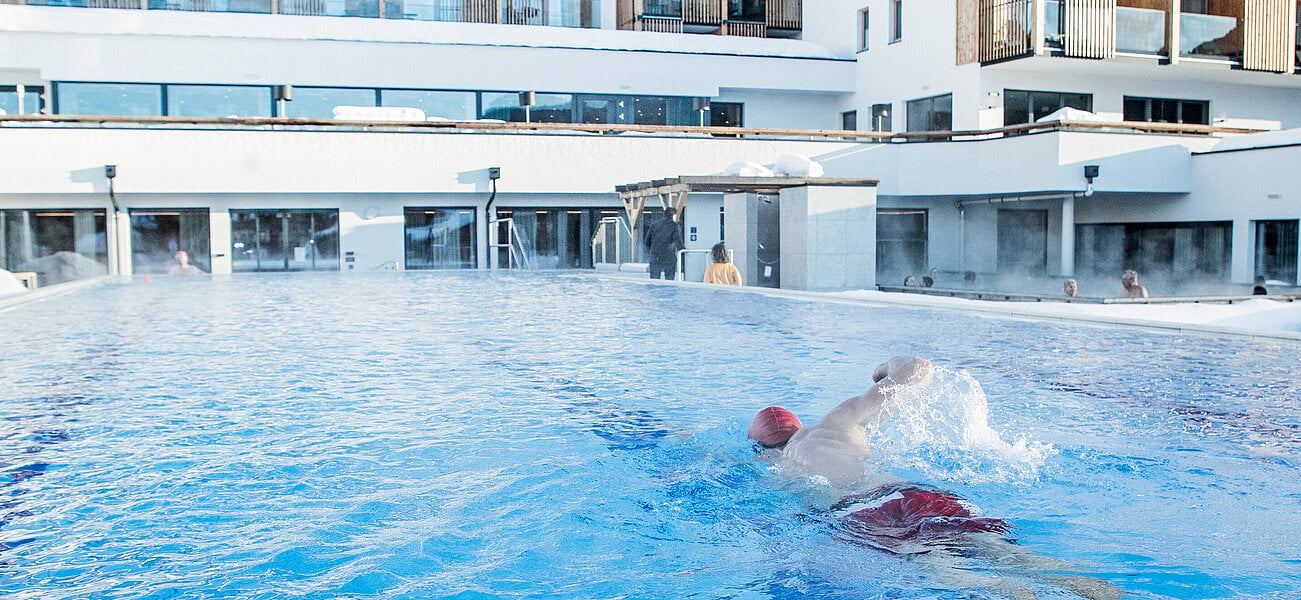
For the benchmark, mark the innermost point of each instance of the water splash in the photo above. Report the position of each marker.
(942, 430)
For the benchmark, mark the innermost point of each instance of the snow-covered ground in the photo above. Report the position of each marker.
(1261, 315)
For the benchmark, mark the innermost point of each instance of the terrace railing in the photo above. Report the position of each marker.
(1259, 35)
(556, 13)
(778, 17)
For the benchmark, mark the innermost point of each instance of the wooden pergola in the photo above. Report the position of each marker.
(672, 192)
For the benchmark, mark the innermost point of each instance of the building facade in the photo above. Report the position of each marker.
(259, 135)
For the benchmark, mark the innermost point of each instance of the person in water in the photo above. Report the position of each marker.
(722, 270)
(895, 515)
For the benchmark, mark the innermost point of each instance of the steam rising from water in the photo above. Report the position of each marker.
(942, 430)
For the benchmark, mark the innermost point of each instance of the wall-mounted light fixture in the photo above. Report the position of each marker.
(527, 100)
(1090, 172)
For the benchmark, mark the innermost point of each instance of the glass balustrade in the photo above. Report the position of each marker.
(1140, 30)
(554, 13)
(1210, 36)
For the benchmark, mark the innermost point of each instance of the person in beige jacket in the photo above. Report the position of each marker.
(722, 270)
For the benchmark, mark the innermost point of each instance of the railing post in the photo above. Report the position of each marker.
(1037, 24)
(1172, 31)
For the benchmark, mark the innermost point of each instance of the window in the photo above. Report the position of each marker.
(455, 106)
(849, 120)
(900, 244)
(726, 114)
(1276, 250)
(1023, 106)
(931, 114)
(745, 10)
(662, 8)
(1164, 253)
(1165, 110)
(57, 245)
(896, 20)
(21, 99)
(284, 240)
(440, 238)
(156, 236)
(546, 108)
(862, 30)
(881, 118)
(319, 102)
(130, 99)
(219, 101)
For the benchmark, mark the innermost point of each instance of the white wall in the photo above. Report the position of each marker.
(180, 47)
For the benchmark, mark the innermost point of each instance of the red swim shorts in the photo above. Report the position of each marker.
(909, 518)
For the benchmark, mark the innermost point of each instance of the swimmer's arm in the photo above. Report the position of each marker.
(891, 374)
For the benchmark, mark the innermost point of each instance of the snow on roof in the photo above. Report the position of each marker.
(1071, 114)
(1264, 139)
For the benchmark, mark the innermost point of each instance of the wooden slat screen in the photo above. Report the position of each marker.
(968, 31)
(744, 29)
(1090, 28)
(784, 14)
(481, 11)
(1268, 41)
(127, 4)
(525, 12)
(661, 24)
(302, 7)
(704, 12)
(1004, 29)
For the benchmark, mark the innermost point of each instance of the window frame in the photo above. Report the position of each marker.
(1180, 104)
(896, 21)
(864, 30)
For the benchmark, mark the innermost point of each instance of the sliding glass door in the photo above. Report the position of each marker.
(284, 240)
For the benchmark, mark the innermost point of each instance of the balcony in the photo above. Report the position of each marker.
(1260, 35)
(554, 13)
(748, 18)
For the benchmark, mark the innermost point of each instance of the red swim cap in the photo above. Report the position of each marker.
(774, 426)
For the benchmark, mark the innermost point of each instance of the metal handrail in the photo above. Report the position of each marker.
(682, 259)
(598, 238)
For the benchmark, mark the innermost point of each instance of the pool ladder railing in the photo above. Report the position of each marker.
(516, 256)
(603, 252)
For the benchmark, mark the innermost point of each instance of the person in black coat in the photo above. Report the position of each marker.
(664, 239)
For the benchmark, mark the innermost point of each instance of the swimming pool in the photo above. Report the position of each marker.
(432, 435)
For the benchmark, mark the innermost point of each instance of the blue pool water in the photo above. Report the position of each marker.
(429, 435)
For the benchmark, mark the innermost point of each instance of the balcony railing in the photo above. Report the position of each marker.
(555, 13)
(750, 18)
(1251, 34)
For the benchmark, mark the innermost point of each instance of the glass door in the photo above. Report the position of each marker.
(157, 235)
(285, 240)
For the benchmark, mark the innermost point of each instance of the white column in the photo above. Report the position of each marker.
(1241, 267)
(1068, 236)
(828, 238)
(219, 241)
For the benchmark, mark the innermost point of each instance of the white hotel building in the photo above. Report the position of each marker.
(219, 117)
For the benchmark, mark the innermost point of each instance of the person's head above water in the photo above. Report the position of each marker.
(774, 426)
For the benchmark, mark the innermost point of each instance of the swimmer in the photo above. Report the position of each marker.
(931, 525)
(183, 266)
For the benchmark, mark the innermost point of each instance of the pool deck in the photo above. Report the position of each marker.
(1029, 307)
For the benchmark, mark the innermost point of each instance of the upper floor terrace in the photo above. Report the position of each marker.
(750, 18)
(1256, 35)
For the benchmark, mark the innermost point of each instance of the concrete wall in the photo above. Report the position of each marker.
(828, 238)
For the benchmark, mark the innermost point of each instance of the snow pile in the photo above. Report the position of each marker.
(746, 168)
(378, 113)
(796, 165)
(9, 285)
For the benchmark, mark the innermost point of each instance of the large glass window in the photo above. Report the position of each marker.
(157, 235)
(440, 238)
(219, 100)
(603, 109)
(1025, 106)
(130, 99)
(664, 110)
(1167, 110)
(284, 240)
(1170, 254)
(546, 108)
(57, 245)
(1276, 250)
(849, 120)
(901, 239)
(319, 102)
(931, 114)
(20, 99)
(456, 106)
